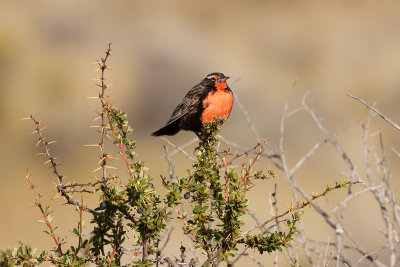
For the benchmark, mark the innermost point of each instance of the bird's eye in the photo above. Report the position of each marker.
(213, 77)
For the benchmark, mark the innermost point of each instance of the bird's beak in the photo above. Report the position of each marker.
(223, 79)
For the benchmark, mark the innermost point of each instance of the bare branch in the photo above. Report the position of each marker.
(44, 212)
(247, 118)
(180, 148)
(177, 148)
(171, 167)
(103, 130)
(61, 189)
(396, 126)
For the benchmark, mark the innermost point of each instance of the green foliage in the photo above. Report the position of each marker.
(218, 201)
(145, 211)
(275, 240)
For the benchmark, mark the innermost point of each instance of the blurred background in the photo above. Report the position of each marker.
(163, 48)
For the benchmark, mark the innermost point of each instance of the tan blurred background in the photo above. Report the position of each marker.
(163, 48)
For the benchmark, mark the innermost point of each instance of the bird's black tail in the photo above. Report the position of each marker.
(169, 129)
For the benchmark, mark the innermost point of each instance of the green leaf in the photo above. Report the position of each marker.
(75, 231)
(197, 209)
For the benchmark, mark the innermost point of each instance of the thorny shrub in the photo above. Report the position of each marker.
(131, 207)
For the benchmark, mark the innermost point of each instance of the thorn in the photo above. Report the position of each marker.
(96, 145)
(287, 205)
(110, 167)
(96, 169)
(27, 118)
(104, 158)
(51, 142)
(92, 97)
(41, 153)
(38, 142)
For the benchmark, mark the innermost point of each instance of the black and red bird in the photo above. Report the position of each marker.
(211, 98)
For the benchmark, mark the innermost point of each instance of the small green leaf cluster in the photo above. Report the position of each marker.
(272, 241)
(120, 120)
(48, 218)
(24, 255)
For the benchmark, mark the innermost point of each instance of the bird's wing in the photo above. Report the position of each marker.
(188, 103)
